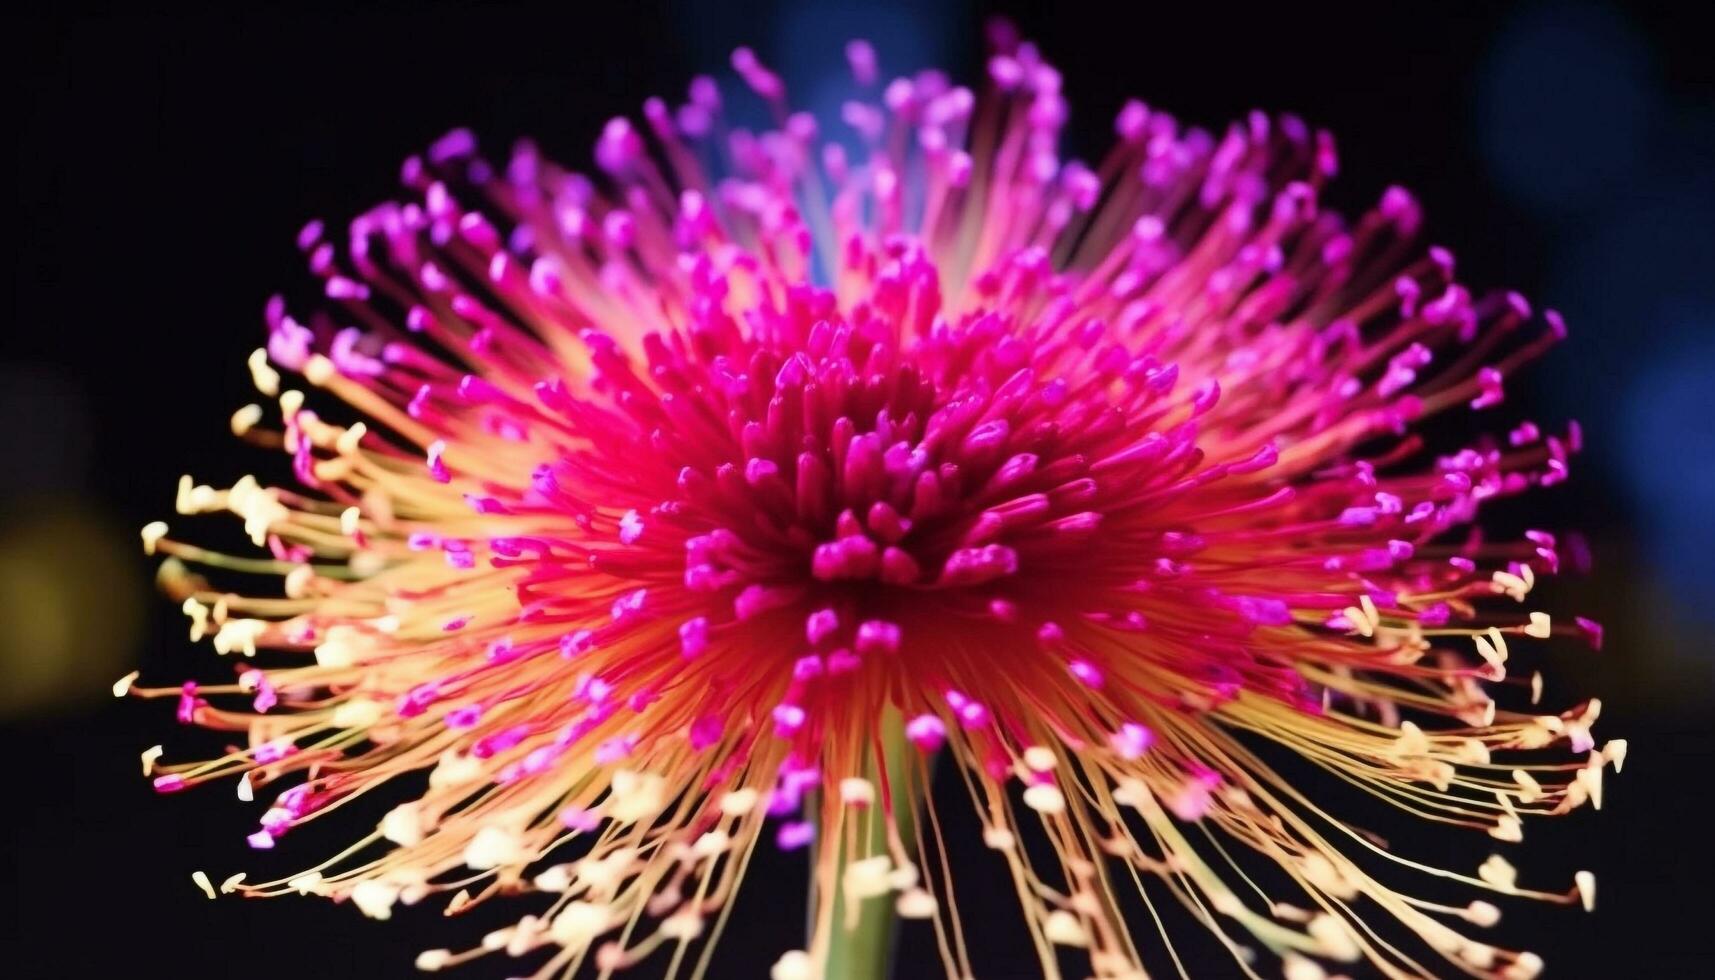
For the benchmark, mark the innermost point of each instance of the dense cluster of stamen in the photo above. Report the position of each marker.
(688, 512)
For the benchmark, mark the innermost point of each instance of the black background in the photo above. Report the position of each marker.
(167, 158)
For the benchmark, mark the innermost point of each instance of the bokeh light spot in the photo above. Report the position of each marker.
(1565, 103)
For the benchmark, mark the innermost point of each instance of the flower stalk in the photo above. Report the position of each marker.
(865, 951)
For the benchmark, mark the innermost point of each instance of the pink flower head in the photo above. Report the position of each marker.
(680, 509)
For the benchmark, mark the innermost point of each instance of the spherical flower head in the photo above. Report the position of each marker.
(680, 509)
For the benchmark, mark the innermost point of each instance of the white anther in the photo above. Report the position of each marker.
(794, 964)
(1529, 789)
(867, 878)
(1481, 913)
(375, 898)
(1507, 828)
(153, 532)
(319, 370)
(1371, 614)
(1296, 967)
(1511, 585)
(1359, 621)
(903, 877)
(712, 844)
(1334, 938)
(1492, 655)
(1615, 752)
(1063, 929)
(634, 795)
(1320, 871)
(309, 884)
(1498, 872)
(580, 922)
(495, 847)
(266, 379)
(1045, 799)
(344, 645)
(498, 938)
(403, 825)
(915, 904)
(1289, 912)
(605, 874)
(1131, 792)
(1473, 752)
(738, 802)
(1526, 966)
(246, 418)
(454, 769)
(1478, 955)
(1540, 626)
(683, 925)
(1412, 741)
(358, 712)
(1590, 778)
(348, 440)
(554, 879)
(298, 580)
(239, 635)
(198, 614)
(857, 792)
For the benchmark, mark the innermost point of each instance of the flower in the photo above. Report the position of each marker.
(657, 516)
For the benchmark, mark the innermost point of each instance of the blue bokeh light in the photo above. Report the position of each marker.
(1567, 102)
(1669, 417)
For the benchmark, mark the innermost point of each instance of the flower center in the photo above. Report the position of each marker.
(870, 484)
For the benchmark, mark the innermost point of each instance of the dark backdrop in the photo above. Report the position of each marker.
(165, 159)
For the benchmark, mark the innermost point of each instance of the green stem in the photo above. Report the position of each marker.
(863, 953)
